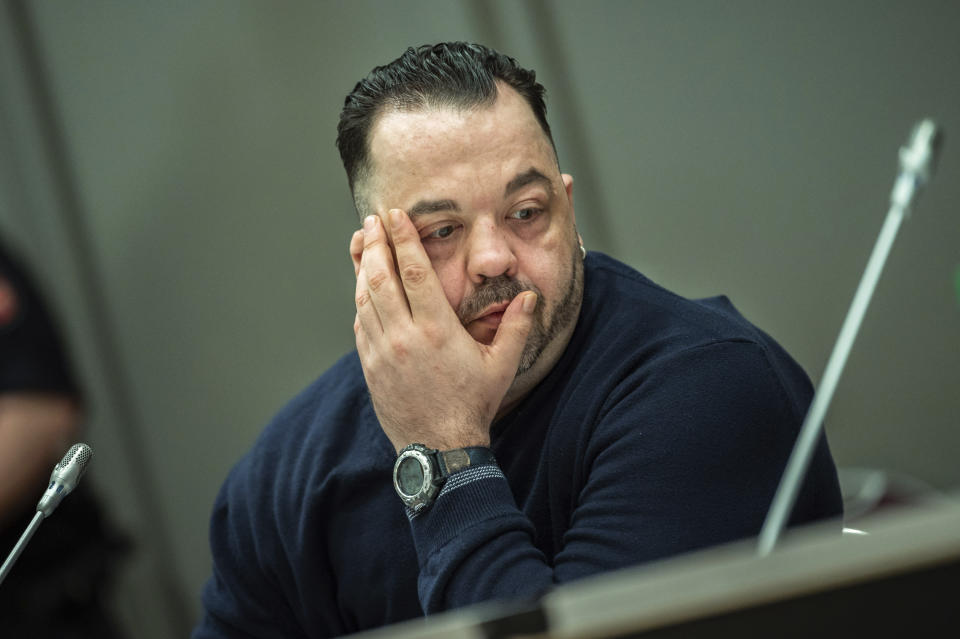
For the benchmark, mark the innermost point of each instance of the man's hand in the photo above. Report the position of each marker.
(429, 380)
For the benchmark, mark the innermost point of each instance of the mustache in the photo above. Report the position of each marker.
(493, 291)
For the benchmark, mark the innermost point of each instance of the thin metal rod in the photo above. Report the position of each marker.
(809, 433)
(24, 539)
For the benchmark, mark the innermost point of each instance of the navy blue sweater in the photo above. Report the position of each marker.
(664, 428)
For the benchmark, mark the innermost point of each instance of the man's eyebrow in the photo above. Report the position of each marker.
(432, 206)
(530, 176)
(527, 177)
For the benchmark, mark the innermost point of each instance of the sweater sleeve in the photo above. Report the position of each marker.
(685, 453)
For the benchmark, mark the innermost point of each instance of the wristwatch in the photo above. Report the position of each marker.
(420, 472)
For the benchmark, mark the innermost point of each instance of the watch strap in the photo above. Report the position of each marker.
(458, 459)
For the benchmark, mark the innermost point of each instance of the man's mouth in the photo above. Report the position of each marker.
(491, 316)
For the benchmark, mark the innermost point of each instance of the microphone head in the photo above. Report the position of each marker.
(78, 455)
(919, 157)
(65, 476)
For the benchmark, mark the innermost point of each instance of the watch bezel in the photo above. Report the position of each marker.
(429, 489)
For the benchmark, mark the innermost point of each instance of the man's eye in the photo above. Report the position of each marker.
(440, 233)
(525, 214)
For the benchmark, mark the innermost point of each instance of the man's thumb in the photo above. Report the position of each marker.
(515, 326)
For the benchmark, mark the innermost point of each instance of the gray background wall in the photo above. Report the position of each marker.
(170, 171)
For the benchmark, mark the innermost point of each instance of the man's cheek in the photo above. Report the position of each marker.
(450, 282)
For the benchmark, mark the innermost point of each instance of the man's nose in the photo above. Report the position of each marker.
(490, 253)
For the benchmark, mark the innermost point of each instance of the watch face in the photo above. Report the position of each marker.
(415, 476)
(410, 476)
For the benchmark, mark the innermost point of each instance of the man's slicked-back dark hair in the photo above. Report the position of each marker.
(455, 75)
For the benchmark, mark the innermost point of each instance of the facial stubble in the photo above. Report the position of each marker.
(545, 327)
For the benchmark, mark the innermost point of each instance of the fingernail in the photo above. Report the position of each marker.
(369, 222)
(394, 216)
(529, 302)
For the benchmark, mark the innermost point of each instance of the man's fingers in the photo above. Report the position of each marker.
(514, 328)
(420, 282)
(381, 302)
(367, 318)
(360, 336)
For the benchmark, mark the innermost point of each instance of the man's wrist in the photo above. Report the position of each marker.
(458, 459)
(420, 472)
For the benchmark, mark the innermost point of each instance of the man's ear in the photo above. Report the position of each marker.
(568, 187)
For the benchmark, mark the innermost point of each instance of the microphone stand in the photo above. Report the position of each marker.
(24, 539)
(916, 165)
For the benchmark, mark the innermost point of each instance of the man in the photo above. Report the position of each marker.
(586, 418)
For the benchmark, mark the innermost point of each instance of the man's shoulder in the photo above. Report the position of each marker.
(622, 303)
(635, 326)
(326, 427)
(339, 391)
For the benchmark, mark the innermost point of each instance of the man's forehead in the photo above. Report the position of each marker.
(509, 115)
(415, 147)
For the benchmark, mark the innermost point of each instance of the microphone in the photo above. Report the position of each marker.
(917, 162)
(64, 478)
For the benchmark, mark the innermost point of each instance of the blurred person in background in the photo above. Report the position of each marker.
(58, 587)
